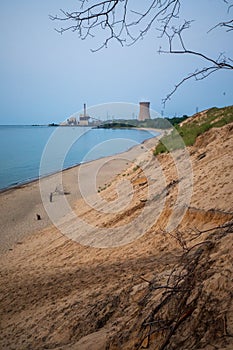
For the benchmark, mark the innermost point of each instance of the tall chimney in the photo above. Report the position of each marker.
(85, 110)
(144, 111)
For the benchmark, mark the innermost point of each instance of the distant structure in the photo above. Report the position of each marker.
(84, 118)
(144, 111)
(72, 121)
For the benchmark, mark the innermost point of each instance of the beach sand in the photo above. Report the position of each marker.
(20, 206)
(106, 291)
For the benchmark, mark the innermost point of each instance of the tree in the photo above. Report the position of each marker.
(128, 21)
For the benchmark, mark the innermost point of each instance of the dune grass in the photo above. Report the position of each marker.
(186, 134)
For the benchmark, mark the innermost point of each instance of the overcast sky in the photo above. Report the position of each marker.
(46, 77)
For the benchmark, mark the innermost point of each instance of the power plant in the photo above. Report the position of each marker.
(144, 112)
(86, 120)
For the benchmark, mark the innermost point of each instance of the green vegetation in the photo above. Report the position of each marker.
(186, 134)
(136, 168)
(104, 187)
(157, 123)
(115, 125)
(53, 124)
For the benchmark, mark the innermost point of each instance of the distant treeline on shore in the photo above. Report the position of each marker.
(157, 123)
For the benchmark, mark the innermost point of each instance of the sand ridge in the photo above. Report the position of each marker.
(59, 294)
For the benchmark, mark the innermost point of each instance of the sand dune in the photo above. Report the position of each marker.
(144, 262)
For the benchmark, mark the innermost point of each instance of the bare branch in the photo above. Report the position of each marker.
(222, 62)
(127, 22)
(228, 25)
(198, 75)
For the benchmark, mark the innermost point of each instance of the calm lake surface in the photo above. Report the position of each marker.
(22, 147)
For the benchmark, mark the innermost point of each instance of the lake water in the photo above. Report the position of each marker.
(22, 147)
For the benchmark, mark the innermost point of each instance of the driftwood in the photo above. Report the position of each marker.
(173, 308)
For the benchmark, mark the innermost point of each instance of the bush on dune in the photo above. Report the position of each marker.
(186, 134)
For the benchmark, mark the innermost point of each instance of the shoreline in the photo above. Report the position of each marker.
(152, 242)
(21, 204)
(29, 181)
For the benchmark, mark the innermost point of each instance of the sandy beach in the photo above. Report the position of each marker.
(20, 206)
(151, 224)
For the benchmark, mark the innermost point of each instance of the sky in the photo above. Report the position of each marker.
(46, 77)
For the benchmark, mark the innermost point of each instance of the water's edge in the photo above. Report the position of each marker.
(27, 182)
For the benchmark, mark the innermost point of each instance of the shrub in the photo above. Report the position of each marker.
(186, 135)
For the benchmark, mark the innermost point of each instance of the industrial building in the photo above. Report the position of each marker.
(144, 112)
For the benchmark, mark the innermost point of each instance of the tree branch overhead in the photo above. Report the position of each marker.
(127, 21)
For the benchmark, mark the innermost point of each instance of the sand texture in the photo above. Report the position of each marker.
(143, 262)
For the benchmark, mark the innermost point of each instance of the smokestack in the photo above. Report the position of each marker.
(144, 111)
(85, 110)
